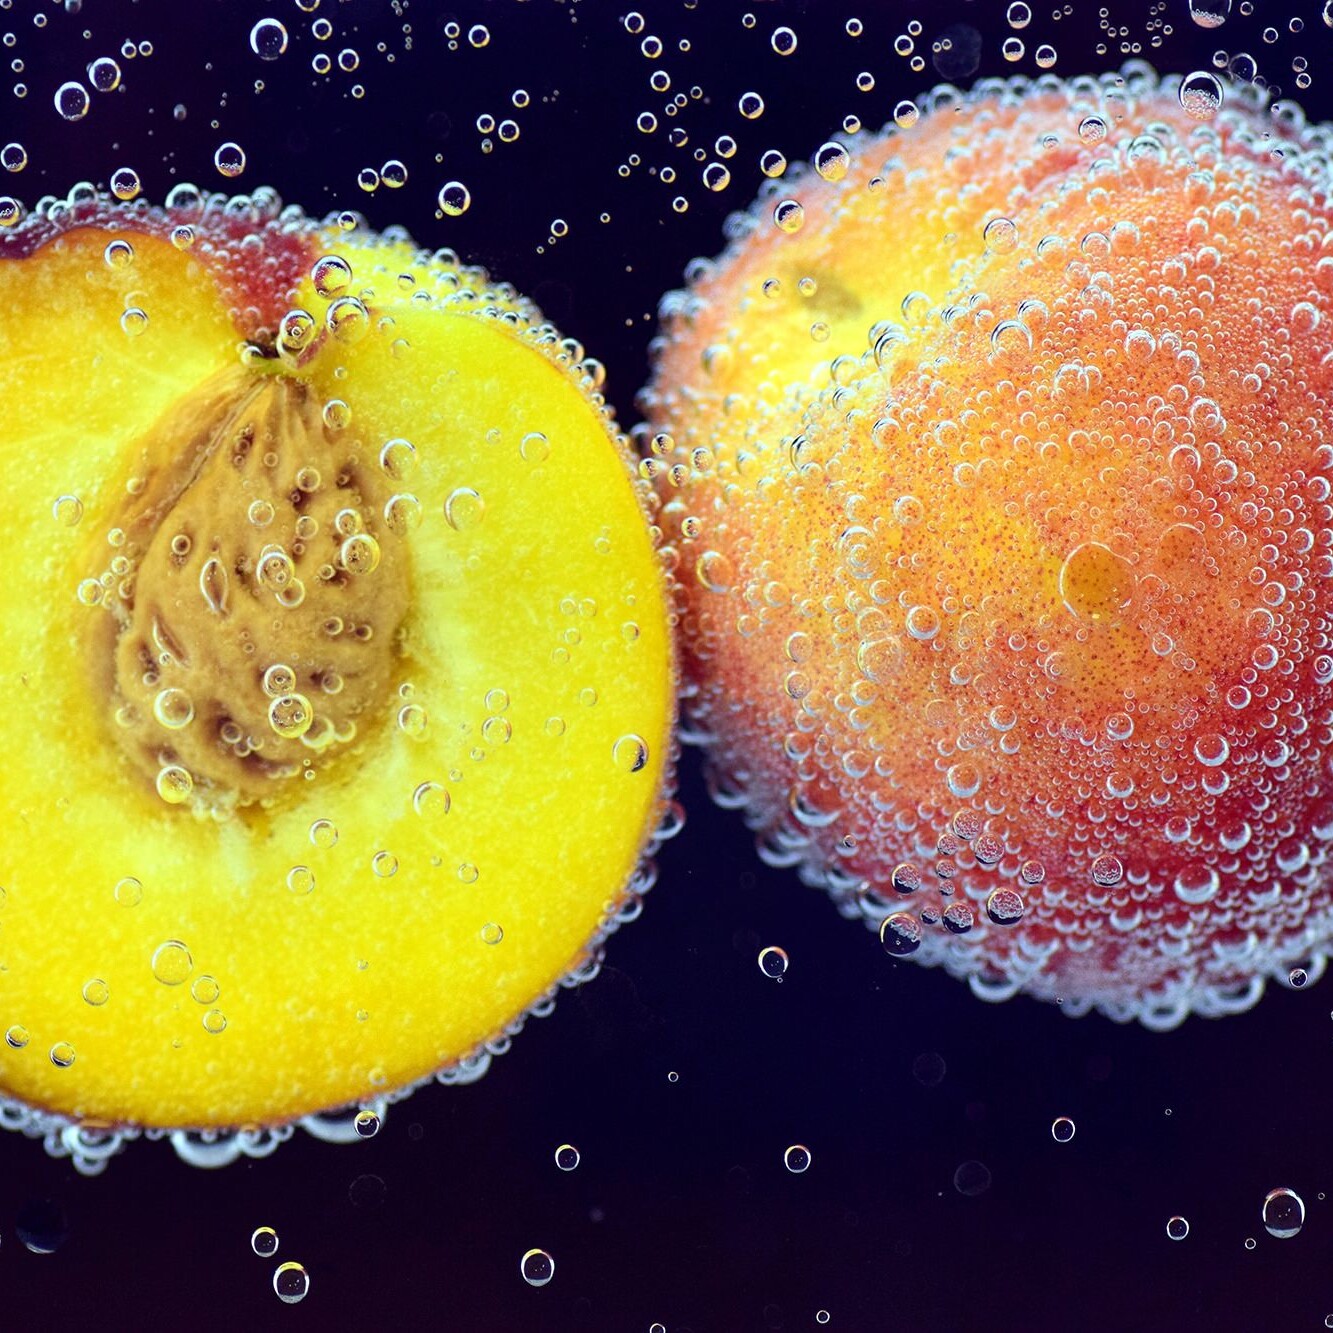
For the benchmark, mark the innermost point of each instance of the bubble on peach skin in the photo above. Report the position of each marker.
(1016, 459)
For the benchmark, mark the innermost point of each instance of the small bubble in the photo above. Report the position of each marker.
(229, 159)
(900, 934)
(1005, 906)
(16, 1036)
(773, 962)
(324, 834)
(972, 1178)
(1092, 129)
(128, 891)
(264, 1242)
(567, 1157)
(215, 1021)
(62, 1055)
(630, 753)
(268, 39)
(125, 184)
(1107, 870)
(291, 1282)
(290, 716)
(71, 100)
(96, 992)
(172, 963)
(783, 41)
(104, 74)
(454, 199)
(491, 933)
(751, 105)
(173, 708)
(1096, 584)
(1201, 95)
(1283, 1213)
(430, 800)
(205, 989)
(67, 510)
(366, 1123)
(789, 216)
(1062, 1129)
(301, 880)
(832, 161)
(174, 784)
(464, 509)
(384, 865)
(796, 1158)
(906, 114)
(1177, 1228)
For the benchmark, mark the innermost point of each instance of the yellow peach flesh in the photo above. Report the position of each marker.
(536, 642)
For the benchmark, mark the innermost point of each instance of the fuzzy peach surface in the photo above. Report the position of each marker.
(999, 497)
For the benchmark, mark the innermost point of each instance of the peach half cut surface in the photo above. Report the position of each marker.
(995, 458)
(337, 677)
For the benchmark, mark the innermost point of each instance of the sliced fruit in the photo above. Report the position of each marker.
(335, 656)
(998, 490)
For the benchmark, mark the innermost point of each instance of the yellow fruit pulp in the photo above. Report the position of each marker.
(536, 646)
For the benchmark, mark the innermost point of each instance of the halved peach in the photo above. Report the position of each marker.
(337, 676)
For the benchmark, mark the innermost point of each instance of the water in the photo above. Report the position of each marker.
(933, 1125)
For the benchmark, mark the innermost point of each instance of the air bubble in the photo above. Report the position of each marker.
(464, 509)
(797, 1158)
(773, 962)
(291, 1282)
(71, 100)
(454, 199)
(104, 75)
(264, 1242)
(900, 934)
(268, 39)
(1283, 1213)
(1201, 95)
(1005, 906)
(174, 784)
(229, 159)
(630, 753)
(537, 1267)
(172, 963)
(832, 161)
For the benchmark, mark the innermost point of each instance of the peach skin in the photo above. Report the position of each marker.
(994, 460)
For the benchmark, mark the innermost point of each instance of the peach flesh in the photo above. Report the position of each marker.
(350, 919)
(997, 493)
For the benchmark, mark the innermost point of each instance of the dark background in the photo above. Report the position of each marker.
(681, 1211)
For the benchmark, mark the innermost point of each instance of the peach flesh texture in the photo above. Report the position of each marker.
(1004, 547)
(536, 640)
